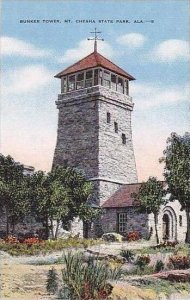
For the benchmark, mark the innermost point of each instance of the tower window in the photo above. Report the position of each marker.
(88, 74)
(123, 139)
(64, 84)
(71, 83)
(180, 221)
(80, 81)
(116, 127)
(96, 77)
(126, 87)
(88, 82)
(120, 85)
(113, 82)
(107, 78)
(108, 117)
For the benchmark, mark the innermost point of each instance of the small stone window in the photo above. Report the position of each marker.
(122, 222)
(180, 221)
(108, 117)
(116, 127)
(123, 139)
(65, 163)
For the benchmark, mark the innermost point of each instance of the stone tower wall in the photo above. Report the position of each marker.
(77, 136)
(85, 140)
(116, 160)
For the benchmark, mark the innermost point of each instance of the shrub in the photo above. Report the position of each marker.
(52, 281)
(32, 247)
(32, 241)
(112, 237)
(11, 239)
(180, 262)
(166, 244)
(142, 261)
(128, 255)
(86, 281)
(159, 266)
(133, 236)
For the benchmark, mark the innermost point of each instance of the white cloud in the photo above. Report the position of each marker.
(171, 50)
(12, 46)
(132, 40)
(25, 79)
(84, 48)
(149, 95)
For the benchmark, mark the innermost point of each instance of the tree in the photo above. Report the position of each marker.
(151, 197)
(49, 200)
(13, 191)
(59, 196)
(177, 172)
(87, 214)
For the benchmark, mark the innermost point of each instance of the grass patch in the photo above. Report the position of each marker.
(162, 286)
(47, 246)
(179, 248)
(148, 270)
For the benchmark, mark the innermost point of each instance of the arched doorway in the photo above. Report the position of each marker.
(166, 227)
(169, 224)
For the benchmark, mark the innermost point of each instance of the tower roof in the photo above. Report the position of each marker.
(94, 59)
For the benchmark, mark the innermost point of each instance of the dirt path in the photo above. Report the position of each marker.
(20, 280)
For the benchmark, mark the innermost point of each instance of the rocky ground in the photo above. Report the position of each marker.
(22, 280)
(24, 277)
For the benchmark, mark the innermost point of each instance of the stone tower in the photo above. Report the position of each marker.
(94, 127)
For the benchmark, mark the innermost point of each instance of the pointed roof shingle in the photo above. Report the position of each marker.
(123, 197)
(94, 59)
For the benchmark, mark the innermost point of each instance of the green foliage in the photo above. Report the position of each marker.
(52, 281)
(163, 286)
(159, 266)
(142, 261)
(180, 262)
(112, 237)
(151, 197)
(176, 171)
(147, 270)
(13, 191)
(87, 281)
(46, 247)
(60, 196)
(129, 255)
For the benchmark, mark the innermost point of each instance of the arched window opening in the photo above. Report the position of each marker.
(108, 117)
(123, 139)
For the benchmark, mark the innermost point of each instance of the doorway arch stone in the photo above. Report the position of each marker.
(169, 224)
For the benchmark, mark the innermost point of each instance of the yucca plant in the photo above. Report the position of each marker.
(87, 281)
(52, 281)
(129, 255)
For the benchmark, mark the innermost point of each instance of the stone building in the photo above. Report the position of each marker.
(95, 135)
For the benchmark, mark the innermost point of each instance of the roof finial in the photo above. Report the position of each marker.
(95, 39)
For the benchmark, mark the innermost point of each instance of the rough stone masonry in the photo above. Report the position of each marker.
(87, 141)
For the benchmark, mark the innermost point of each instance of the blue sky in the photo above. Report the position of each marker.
(156, 54)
